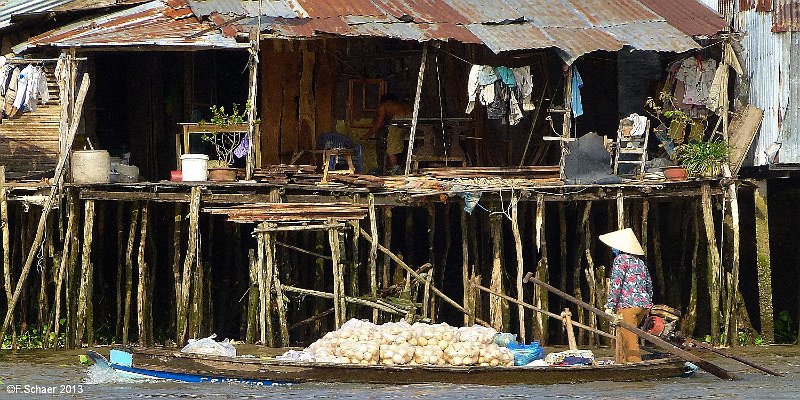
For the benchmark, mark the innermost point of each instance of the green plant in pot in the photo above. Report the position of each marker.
(703, 158)
(225, 142)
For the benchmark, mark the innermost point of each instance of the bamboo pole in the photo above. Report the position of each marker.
(763, 263)
(468, 294)
(141, 291)
(415, 113)
(6, 236)
(264, 318)
(87, 270)
(387, 242)
(338, 313)
(48, 204)
(354, 265)
(188, 267)
(713, 262)
(542, 300)
(129, 271)
(496, 303)
(520, 267)
(353, 300)
(276, 285)
(373, 255)
(420, 279)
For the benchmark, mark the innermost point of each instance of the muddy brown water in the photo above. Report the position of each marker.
(24, 372)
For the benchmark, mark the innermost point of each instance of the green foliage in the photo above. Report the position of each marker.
(785, 331)
(703, 158)
(33, 338)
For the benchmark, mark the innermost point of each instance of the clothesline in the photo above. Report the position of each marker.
(19, 61)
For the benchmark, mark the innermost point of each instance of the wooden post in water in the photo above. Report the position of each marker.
(141, 290)
(387, 243)
(72, 273)
(645, 217)
(85, 295)
(714, 267)
(175, 247)
(264, 317)
(275, 282)
(355, 266)
(577, 264)
(469, 295)
(252, 300)
(128, 287)
(689, 320)
(733, 289)
(763, 263)
(333, 240)
(120, 286)
(520, 266)
(188, 267)
(590, 271)
(373, 256)
(62, 276)
(620, 210)
(6, 236)
(496, 303)
(541, 300)
(562, 235)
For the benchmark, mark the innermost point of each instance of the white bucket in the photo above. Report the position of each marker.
(91, 166)
(194, 167)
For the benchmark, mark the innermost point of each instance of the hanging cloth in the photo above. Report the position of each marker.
(577, 84)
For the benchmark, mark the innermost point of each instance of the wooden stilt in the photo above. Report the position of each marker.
(85, 294)
(620, 210)
(141, 290)
(415, 113)
(120, 286)
(62, 272)
(764, 267)
(542, 300)
(320, 326)
(6, 233)
(577, 268)
(645, 216)
(188, 267)
(129, 271)
(265, 294)
(562, 234)
(690, 319)
(72, 274)
(590, 271)
(355, 266)
(333, 239)
(276, 284)
(496, 303)
(252, 300)
(175, 247)
(714, 267)
(733, 325)
(387, 242)
(567, 315)
(520, 268)
(373, 256)
(658, 263)
(469, 296)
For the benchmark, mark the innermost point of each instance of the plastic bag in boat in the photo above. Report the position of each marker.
(524, 354)
(210, 347)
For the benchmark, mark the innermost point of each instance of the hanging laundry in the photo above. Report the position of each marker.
(498, 108)
(505, 91)
(525, 85)
(577, 84)
(698, 77)
(11, 93)
(506, 75)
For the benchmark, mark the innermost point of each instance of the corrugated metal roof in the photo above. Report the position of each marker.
(690, 17)
(157, 23)
(786, 17)
(12, 7)
(272, 8)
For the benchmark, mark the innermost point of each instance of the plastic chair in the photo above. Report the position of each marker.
(335, 140)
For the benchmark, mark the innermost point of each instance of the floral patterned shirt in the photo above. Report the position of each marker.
(631, 285)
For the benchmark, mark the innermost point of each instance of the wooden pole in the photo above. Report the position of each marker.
(713, 261)
(468, 294)
(177, 222)
(562, 235)
(62, 271)
(48, 205)
(120, 286)
(415, 114)
(520, 267)
(658, 263)
(387, 242)
(276, 284)
(689, 321)
(253, 297)
(252, 94)
(265, 300)
(141, 290)
(577, 267)
(734, 286)
(763, 263)
(85, 295)
(568, 326)
(496, 303)
(620, 210)
(590, 271)
(188, 266)
(129, 271)
(355, 266)
(6, 236)
(373, 256)
(353, 300)
(421, 279)
(542, 300)
(338, 313)
(71, 286)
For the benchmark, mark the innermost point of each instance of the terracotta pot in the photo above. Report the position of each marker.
(222, 174)
(176, 175)
(676, 173)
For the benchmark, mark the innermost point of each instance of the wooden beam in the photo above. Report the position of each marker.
(373, 255)
(87, 271)
(415, 113)
(189, 266)
(763, 263)
(714, 267)
(520, 267)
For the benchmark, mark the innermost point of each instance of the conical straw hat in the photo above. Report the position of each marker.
(623, 240)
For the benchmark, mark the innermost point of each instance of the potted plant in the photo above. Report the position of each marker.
(229, 138)
(703, 159)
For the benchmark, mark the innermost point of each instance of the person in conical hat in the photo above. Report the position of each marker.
(631, 291)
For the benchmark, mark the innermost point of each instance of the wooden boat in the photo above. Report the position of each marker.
(174, 365)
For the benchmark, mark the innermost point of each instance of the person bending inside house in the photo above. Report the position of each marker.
(631, 291)
(390, 107)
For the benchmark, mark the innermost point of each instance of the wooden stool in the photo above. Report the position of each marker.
(327, 154)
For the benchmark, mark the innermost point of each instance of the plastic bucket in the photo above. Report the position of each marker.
(194, 167)
(91, 166)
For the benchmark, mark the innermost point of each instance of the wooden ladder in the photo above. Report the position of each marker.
(634, 150)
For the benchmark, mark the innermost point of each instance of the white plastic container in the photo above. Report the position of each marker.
(91, 166)
(194, 167)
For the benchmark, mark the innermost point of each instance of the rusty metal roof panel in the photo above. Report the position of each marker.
(269, 8)
(510, 37)
(157, 23)
(689, 16)
(14, 7)
(575, 42)
(614, 12)
(786, 16)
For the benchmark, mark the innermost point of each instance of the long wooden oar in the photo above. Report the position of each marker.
(670, 348)
(732, 356)
(545, 312)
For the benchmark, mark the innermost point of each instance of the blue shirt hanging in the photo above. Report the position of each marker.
(577, 84)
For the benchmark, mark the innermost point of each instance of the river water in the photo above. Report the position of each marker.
(46, 371)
